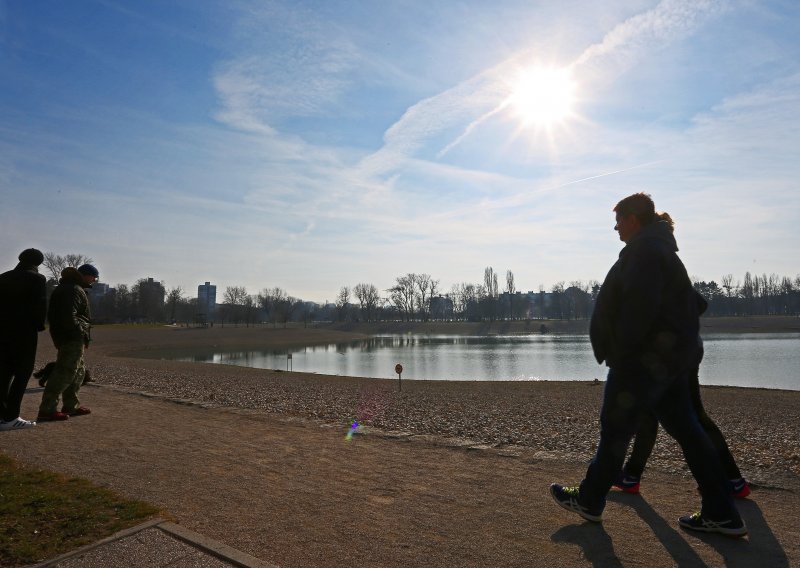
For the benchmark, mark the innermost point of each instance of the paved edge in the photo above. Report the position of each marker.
(213, 547)
(209, 546)
(84, 549)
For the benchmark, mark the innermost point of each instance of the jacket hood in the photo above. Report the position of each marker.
(659, 230)
(70, 275)
(28, 266)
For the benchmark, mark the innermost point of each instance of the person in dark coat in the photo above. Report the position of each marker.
(645, 327)
(24, 295)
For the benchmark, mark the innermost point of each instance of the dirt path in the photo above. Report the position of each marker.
(296, 493)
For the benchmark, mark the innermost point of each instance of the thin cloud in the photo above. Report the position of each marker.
(305, 77)
(628, 41)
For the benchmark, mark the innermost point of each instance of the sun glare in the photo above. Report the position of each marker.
(542, 96)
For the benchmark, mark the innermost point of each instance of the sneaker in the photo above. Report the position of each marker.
(740, 488)
(697, 522)
(567, 497)
(79, 411)
(627, 483)
(16, 424)
(53, 417)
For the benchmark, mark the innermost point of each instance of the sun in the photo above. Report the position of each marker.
(542, 97)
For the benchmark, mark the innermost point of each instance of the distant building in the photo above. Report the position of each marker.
(99, 289)
(101, 299)
(206, 300)
(441, 308)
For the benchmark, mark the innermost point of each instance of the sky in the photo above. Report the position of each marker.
(311, 145)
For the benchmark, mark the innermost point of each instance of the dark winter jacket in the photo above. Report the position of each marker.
(23, 292)
(647, 312)
(68, 315)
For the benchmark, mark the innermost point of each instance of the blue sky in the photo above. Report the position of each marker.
(311, 145)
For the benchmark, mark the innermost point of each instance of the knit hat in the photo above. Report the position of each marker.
(31, 257)
(88, 270)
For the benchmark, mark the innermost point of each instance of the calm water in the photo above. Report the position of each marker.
(747, 360)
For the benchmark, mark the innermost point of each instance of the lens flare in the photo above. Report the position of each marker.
(353, 428)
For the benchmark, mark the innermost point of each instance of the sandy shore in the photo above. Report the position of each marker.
(558, 418)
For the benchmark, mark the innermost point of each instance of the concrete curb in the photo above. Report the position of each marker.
(213, 547)
(89, 547)
(203, 544)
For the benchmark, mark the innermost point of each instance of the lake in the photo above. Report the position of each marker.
(745, 360)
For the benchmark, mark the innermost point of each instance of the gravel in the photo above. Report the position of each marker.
(558, 418)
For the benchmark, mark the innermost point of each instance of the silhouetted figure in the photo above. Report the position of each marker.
(24, 296)
(645, 327)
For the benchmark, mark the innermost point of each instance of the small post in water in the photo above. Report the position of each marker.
(288, 361)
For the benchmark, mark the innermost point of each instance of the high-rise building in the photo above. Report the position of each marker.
(207, 300)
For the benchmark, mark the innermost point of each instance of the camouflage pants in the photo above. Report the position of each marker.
(66, 379)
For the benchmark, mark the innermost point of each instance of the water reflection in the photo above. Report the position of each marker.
(761, 360)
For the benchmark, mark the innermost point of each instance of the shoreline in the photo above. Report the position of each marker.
(708, 325)
(176, 343)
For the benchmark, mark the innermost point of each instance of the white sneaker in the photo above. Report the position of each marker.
(16, 424)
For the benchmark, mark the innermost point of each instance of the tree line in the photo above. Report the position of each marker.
(412, 297)
(754, 295)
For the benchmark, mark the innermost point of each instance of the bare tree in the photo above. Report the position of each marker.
(342, 301)
(249, 305)
(466, 299)
(402, 294)
(174, 297)
(727, 285)
(55, 263)
(557, 294)
(748, 293)
(426, 288)
(457, 296)
(578, 299)
(368, 297)
(490, 285)
(490, 282)
(235, 297)
(510, 288)
(274, 300)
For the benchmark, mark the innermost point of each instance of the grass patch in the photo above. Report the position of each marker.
(44, 514)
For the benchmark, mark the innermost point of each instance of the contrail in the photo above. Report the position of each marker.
(470, 127)
(601, 175)
(522, 198)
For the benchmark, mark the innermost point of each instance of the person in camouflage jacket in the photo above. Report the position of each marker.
(70, 320)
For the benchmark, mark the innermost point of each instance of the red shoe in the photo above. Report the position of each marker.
(740, 488)
(628, 483)
(80, 411)
(53, 417)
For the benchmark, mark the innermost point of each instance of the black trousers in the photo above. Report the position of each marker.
(630, 393)
(17, 358)
(648, 430)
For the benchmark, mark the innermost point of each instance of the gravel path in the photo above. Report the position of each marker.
(761, 425)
